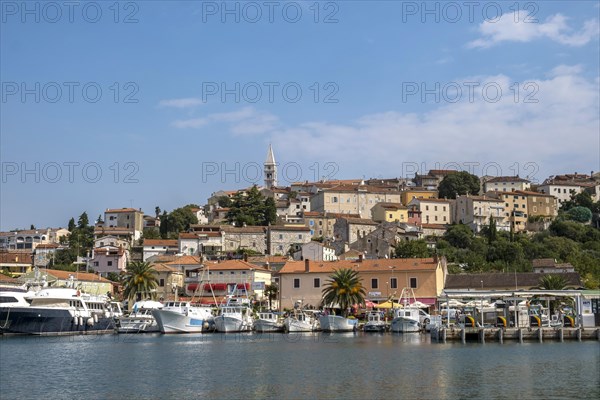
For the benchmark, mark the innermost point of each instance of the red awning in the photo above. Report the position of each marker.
(430, 301)
(215, 286)
(243, 286)
(192, 287)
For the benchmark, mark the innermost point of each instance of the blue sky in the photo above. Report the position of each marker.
(378, 82)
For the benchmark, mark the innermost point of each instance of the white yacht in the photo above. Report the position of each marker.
(301, 321)
(183, 317)
(268, 321)
(57, 311)
(140, 320)
(374, 322)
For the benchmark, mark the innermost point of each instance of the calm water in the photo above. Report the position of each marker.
(245, 366)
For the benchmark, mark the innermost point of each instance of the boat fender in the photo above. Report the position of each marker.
(81, 321)
(95, 318)
(75, 321)
(90, 321)
(425, 321)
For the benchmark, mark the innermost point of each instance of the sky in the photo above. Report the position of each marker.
(161, 103)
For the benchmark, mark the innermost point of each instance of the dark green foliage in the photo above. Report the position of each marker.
(140, 281)
(460, 236)
(252, 209)
(580, 214)
(412, 249)
(178, 220)
(458, 184)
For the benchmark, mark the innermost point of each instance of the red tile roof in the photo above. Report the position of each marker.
(160, 242)
(507, 179)
(378, 265)
(123, 210)
(233, 265)
(9, 257)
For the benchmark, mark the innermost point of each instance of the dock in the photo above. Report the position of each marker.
(532, 334)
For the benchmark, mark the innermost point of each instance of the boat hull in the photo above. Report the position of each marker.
(51, 321)
(137, 325)
(337, 323)
(228, 324)
(374, 327)
(293, 325)
(405, 325)
(176, 322)
(261, 325)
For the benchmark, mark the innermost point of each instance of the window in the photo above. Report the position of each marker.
(232, 273)
(391, 216)
(436, 217)
(444, 219)
(96, 263)
(394, 283)
(317, 282)
(334, 199)
(374, 283)
(280, 236)
(296, 283)
(300, 236)
(426, 208)
(311, 222)
(109, 263)
(413, 283)
(435, 208)
(320, 223)
(444, 208)
(161, 283)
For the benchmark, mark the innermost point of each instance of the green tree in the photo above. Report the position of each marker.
(491, 231)
(71, 225)
(580, 214)
(224, 202)
(140, 281)
(460, 236)
(32, 227)
(150, 233)
(411, 249)
(459, 183)
(83, 221)
(344, 288)
(252, 208)
(178, 220)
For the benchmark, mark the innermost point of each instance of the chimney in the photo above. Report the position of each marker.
(246, 257)
(306, 265)
(360, 257)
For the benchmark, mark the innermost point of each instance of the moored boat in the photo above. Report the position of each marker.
(268, 321)
(59, 311)
(301, 321)
(337, 323)
(234, 318)
(183, 317)
(374, 322)
(141, 319)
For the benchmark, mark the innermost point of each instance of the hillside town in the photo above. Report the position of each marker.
(443, 229)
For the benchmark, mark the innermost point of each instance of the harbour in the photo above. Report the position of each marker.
(301, 365)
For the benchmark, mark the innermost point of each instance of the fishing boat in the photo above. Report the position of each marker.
(235, 316)
(337, 323)
(374, 322)
(183, 317)
(141, 319)
(268, 321)
(301, 321)
(59, 311)
(409, 318)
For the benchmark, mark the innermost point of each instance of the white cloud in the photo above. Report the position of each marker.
(519, 27)
(246, 121)
(559, 131)
(181, 103)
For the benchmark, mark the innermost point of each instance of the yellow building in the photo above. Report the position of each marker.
(389, 212)
(515, 208)
(416, 193)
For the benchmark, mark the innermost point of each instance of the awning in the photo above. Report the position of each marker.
(430, 301)
(192, 287)
(243, 286)
(215, 286)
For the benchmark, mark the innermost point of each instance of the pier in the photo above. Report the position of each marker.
(532, 334)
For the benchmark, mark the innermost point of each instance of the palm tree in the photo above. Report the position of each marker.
(271, 291)
(140, 281)
(552, 282)
(344, 288)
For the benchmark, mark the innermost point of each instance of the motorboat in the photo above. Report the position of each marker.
(235, 316)
(301, 321)
(374, 322)
(58, 311)
(183, 317)
(141, 319)
(268, 321)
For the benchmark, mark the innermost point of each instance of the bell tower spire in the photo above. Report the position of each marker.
(270, 169)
